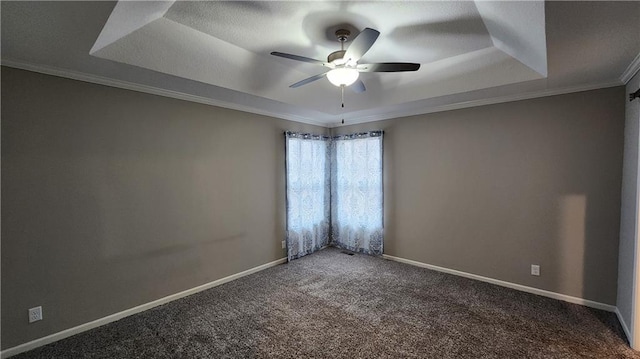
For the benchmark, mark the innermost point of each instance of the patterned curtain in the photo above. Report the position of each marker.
(308, 193)
(356, 192)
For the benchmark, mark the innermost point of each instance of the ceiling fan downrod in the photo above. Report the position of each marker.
(343, 36)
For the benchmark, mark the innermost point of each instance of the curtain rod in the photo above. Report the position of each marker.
(305, 135)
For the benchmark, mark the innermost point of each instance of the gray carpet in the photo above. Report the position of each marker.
(332, 305)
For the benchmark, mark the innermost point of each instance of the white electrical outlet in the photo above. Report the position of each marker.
(535, 269)
(283, 244)
(35, 314)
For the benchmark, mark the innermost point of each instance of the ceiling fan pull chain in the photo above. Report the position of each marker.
(342, 90)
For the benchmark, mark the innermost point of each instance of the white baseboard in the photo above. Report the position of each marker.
(625, 327)
(523, 288)
(117, 316)
(125, 313)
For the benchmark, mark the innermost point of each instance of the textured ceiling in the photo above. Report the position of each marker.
(218, 52)
(228, 44)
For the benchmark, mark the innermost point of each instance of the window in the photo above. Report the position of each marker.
(356, 202)
(334, 187)
(308, 194)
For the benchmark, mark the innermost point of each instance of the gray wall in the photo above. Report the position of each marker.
(491, 190)
(629, 214)
(113, 198)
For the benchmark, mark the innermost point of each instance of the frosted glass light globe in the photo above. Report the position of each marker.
(343, 76)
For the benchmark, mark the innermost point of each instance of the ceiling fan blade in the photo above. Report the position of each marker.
(388, 67)
(308, 80)
(299, 58)
(361, 44)
(358, 86)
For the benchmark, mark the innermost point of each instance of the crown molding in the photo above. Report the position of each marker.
(481, 102)
(631, 70)
(410, 111)
(100, 80)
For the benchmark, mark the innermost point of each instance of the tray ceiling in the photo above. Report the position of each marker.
(219, 50)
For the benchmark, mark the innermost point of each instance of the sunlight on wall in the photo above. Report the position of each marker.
(571, 235)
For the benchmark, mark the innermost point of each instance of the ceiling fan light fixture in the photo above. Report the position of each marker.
(344, 63)
(343, 76)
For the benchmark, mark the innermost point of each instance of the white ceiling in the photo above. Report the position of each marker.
(218, 52)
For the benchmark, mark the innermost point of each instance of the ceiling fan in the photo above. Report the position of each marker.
(343, 64)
